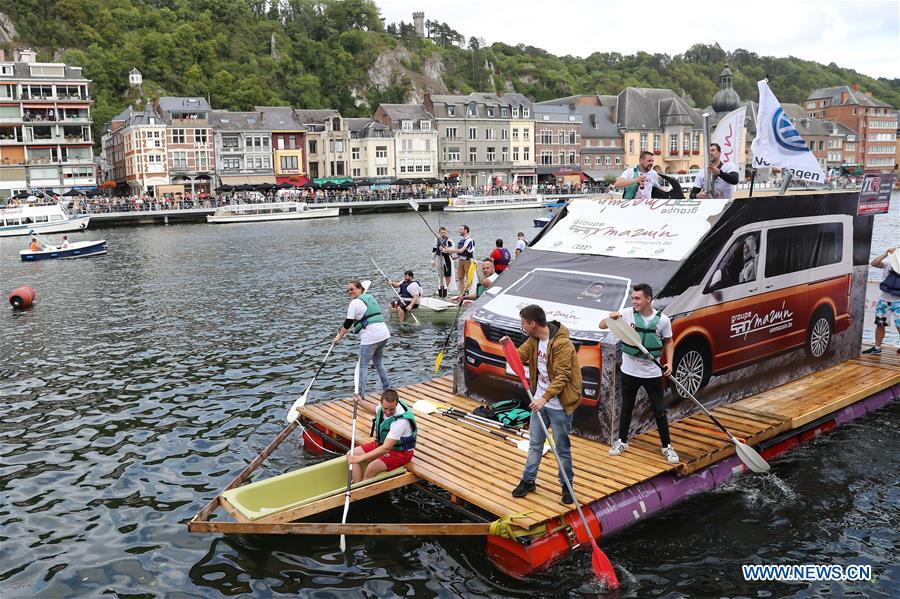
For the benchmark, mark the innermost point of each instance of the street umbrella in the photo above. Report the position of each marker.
(21, 195)
(265, 187)
(284, 185)
(432, 181)
(93, 193)
(311, 185)
(224, 188)
(72, 193)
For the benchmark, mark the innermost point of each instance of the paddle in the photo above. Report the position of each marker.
(394, 289)
(747, 454)
(352, 445)
(462, 296)
(521, 444)
(602, 567)
(294, 412)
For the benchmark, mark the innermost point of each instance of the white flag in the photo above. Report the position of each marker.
(777, 142)
(730, 136)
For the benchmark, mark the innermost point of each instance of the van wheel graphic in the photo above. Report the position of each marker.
(692, 367)
(820, 333)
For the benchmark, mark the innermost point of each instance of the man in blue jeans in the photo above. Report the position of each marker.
(364, 316)
(555, 380)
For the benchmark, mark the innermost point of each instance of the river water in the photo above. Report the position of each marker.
(141, 382)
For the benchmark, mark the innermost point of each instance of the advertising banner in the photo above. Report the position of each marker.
(875, 194)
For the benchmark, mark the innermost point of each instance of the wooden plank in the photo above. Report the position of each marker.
(333, 501)
(231, 510)
(468, 529)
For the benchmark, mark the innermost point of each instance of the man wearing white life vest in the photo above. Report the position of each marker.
(364, 317)
(465, 250)
(410, 294)
(638, 371)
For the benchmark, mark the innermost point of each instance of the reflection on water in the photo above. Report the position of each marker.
(142, 382)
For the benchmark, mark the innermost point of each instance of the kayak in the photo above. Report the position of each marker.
(294, 489)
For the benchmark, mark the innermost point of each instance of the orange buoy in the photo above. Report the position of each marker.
(21, 297)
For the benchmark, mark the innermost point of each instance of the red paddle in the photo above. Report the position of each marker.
(602, 567)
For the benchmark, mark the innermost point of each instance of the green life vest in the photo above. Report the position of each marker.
(631, 190)
(479, 289)
(382, 426)
(649, 339)
(372, 315)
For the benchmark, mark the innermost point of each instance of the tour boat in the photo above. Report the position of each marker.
(250, 213)
(467, 203)
(77, 249)
(48, 218)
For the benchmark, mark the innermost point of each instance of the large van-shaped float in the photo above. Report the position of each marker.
(760, 291)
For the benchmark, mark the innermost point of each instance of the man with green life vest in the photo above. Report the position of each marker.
(638, 371)
(639, 181)
(364, 317)
(394, 428)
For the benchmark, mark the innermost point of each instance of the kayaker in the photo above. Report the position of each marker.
(364, 317)
(555, 379)
(410, 294)
(486, 278)
(639, 371)
(442, 261)
(500, 257)
(394, 428)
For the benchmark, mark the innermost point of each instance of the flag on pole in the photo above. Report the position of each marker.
(779, 144)
(730, 136)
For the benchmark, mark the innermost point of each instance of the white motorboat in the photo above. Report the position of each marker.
(467, 203)
(39, 218)
(251, 213)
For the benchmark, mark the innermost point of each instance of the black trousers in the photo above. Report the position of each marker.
(654, 389)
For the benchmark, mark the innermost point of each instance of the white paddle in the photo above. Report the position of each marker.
(423, 406)
(352, 445)
(747, 454)
(294, 412)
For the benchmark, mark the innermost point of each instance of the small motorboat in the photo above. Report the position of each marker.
(552, 209)
(76, 249)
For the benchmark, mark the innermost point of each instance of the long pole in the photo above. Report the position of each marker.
(388, 281)
(707, 180)
(352, 446)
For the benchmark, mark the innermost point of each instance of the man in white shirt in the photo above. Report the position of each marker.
(364, 317)
(638, 371)
(639, 181)
(486, 278)
(394, 428)
(410, 294)
(521, 243)
(725, 176)
(888, 306)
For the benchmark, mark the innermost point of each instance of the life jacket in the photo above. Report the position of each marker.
(404, 289)
(891, 283)
(504, 259)
(461, 244)
(372, 315)
(649, 339)
(35, 246)
(631, 190)
(382, 426)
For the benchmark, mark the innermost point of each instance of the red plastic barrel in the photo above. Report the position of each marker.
(21, 297)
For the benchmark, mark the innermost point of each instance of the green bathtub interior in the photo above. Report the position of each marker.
(293, 489)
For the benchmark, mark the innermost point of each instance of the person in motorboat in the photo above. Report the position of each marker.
(410, 295)
(638, 371)
(486, 278)
(364, 317)
(394, 429)
(64, 244)
(36, 246)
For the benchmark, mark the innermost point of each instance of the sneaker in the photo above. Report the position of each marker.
(567, 497)
(669, 452)
(523, 489)
(872, 350)
(618, 447)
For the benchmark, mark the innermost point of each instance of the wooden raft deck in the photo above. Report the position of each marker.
(482, 469)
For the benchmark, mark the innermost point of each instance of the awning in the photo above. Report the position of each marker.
(292, 180)
(595, 175)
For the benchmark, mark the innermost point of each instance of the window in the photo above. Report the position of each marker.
(606, 160)
(515, 153)
(572, 157)
(504, 134)
(425, 125)
(451, 155)
(526, 134)
(381, 171)
(313, 147)
(618, 161)
(504, 112)
(587, 161)
(504, 154)
(200, 136)
(490, 134)
(561, 136)
(490, 111)
(202, 160)
(406, 125)
(526, 112)
(451, 110)
(292, 142)
(631, 146)
(267, 162)
(573, 137)
(738, 265)
(178, 136)
(792, 249)
(355, 173)
(179, 159)
(491, 154)
(546, 137)
(229, 143)
(644, 142)
(337, 168)
(546, 157)
(515, 134)
(562, 157)
(450, 132)
(337, 145)
(473, 155)
(687, 142)
(515, 112)
(381, 152)
(471, 110)
(231, 164)
(288, 163)
(673, 143)
(354, 153)
(526, 154)
(473, 132)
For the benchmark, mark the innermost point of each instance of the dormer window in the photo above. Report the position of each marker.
(490, 111)
(525, 112)
(336, 124)
(451, 110)
(471, 110)
(515, 112)
(425, 125)
(406, 125)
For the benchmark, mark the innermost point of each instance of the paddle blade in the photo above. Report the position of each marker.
(438, 360)
(294, 412)
(424, 406)
(366, 284)
(356, 378)
(623, 331)
(603, 569)
(750, 457)
(470, 275)
(414, 205)
(515, 363)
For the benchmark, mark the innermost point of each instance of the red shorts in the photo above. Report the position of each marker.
(392, 459)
